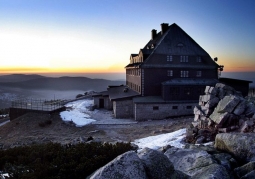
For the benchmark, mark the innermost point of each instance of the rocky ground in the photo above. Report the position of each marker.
(35, 128)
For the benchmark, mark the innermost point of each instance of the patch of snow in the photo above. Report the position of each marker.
(3, 123)
(80, 105)
(4, 175)
(155, 142)
(78, 113)
(79, 118)
(4, 115)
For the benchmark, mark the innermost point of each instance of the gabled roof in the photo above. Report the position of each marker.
(133, 55)
(175, 41)
(133, 65)
(176, 38)
(121, 92)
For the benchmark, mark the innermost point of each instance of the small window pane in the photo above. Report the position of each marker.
(155, 108)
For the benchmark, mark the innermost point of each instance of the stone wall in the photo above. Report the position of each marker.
(145, 111)
(123, 108)
(107, 102)
(221, 109)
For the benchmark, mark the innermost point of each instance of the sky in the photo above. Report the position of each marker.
(98, 36)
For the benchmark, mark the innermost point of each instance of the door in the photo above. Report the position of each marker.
(101, 103)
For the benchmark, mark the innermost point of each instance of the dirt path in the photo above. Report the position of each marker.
(33, 128)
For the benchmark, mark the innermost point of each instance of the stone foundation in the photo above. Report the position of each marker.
(144, 111)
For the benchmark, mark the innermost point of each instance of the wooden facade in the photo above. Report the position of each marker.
(171, 56)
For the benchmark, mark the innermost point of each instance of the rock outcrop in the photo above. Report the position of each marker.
(246, 171)
(126, 166)
(242, 146)
(148, 163)
(232, 157)
(156, 164)
(189, 161)
(221, 109)
(173, 163)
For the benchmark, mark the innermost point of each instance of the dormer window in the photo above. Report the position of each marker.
(199, 59)
(152, 46)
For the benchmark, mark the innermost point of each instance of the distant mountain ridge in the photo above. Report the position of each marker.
(33, 82)
(19, 77)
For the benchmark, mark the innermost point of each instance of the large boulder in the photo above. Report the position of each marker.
(226, 160)
(228, 104)
(246, 170)
(189, 161)
(219, 118)
(156, 164)
(125, 166)
(213, 171)
(242, 146)
(240, 108)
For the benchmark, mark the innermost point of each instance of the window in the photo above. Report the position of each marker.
(188, 107)
(155, 108)
(175, 91)
(174, 107)
(187, 90)
(184, 74)
(199, 59)
(199, 73)
(169, 72)
(184, 59)
(169, 58)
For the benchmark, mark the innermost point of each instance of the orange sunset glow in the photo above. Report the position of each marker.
(93, 37)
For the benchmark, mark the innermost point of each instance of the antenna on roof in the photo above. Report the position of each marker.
(215, 59)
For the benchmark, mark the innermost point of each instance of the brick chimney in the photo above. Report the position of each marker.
(164, 27)
(153, 34)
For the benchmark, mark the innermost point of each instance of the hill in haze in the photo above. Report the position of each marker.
(14, 87)
(38, 82)
(18, 77)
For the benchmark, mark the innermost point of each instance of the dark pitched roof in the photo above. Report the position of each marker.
(175, 41)
(121, 92)
(103, 93)
(174, 37)
(133, 65)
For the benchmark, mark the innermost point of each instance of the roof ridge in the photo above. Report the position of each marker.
(162, 37)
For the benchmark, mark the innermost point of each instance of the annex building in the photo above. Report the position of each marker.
(164, 79)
